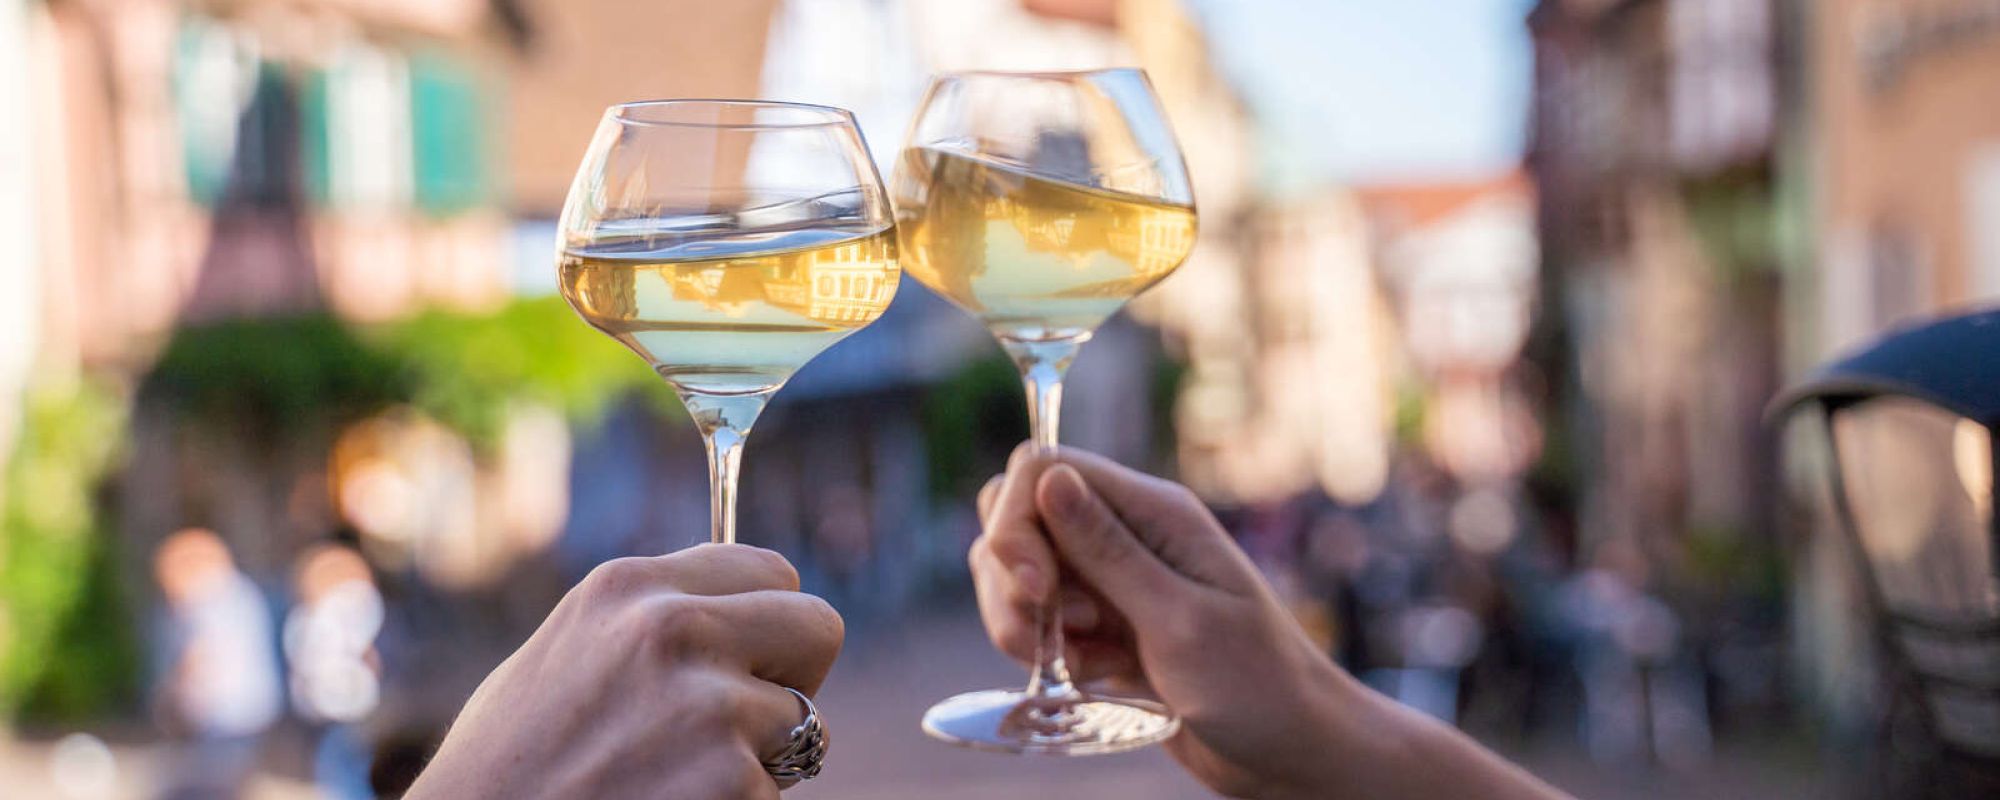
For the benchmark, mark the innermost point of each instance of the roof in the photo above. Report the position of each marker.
(1420, 204)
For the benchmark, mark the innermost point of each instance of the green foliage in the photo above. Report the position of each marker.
(67, 649)
(462, 369)
(273, 374)
(1412, 412)
(465, 370)
(1169, 376)
(979, 409)
(1724, 560)
(1735, 217)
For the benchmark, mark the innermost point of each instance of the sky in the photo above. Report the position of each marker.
(1377, 91)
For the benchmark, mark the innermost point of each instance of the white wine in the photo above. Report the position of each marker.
(1035, 259)
(730, 315)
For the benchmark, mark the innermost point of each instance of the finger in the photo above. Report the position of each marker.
(726, 770)
(768, 716)
(1095, 542)
(1014, 570)
(1007, 600)
(787, 638)
(1079, 610)
(989, 493)
(1011, 531)
(705, 569)
(1092, 659)
(1169, 520)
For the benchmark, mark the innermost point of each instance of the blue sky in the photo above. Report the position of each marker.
(1369, 91)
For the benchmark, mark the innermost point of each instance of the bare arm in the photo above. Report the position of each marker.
(1169, 606)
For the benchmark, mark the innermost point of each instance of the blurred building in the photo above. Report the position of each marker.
(1279, 313)
(1905, 164)
(1461, 261)
(585, 55)
(1657, 150)
(20, 280)
(207, 160)
(1653, 151)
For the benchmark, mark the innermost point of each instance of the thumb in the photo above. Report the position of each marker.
(1097, 545)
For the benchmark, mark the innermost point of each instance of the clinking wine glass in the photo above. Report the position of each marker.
(1040, 203)
(727, 243)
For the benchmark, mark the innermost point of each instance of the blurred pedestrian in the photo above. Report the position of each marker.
(335, 671)
(218, 688)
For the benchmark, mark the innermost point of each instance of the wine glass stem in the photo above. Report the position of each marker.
(1042, 364)
(724, 420)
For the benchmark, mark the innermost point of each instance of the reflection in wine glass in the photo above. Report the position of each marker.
(727, 243)
(1041, 203)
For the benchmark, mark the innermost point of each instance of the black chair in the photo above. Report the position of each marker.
(1912, 418)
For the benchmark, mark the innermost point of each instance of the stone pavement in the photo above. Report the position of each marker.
(878, 692)
(889, 675)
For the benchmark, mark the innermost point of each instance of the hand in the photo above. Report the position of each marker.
(654, 678)
(1157, 599)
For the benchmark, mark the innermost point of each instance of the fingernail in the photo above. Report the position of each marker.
(1020, 455)
(1029, 578)
(1079, 612)
(1067, 493)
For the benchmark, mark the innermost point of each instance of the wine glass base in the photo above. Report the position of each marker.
(1082, 724)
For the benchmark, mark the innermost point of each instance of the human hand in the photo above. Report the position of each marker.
(1157, 599)
(655, 678)
(1160, 602)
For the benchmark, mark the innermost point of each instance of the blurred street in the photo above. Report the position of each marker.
(890, 674)
(883, 684)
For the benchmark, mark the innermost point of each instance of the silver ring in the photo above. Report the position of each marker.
(804, 751)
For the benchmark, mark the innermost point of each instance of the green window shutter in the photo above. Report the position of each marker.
(208, 89)
(315, 120)
(449, 133)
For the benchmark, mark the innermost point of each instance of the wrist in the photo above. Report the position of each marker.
(1321, 744)
(1346, 733)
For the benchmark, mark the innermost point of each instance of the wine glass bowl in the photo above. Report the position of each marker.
(726, 243)
(1040, 203)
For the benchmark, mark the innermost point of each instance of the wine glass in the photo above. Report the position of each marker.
(1040, 203)
(727, 242)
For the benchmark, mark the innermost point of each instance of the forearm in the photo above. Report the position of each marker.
(1372, 747)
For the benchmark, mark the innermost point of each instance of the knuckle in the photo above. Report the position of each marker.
(981, 549)
(1022, 453)
(1011, 546)
(707, 700)
(769, 562)
(821, 615)
(826, 621)
(715, 707)
(1019, 600)
(677, 623)
(1105, 544)
(614, 578)
(1184, 630)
